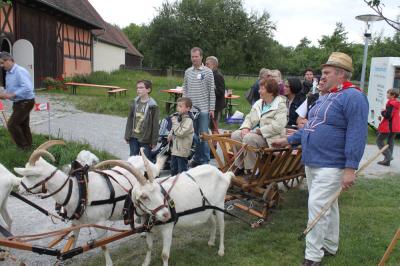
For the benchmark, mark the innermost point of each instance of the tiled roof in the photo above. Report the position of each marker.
(79, 9)
(114, 35)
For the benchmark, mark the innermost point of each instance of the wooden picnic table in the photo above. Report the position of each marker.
(174, 94)
(229, 105)
(111, 90)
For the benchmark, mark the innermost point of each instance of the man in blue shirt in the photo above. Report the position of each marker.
(333, 143)
(19, 90)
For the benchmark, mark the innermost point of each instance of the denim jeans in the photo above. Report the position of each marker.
(202, 152)
(178, 164)
(135, 145)
(380, 141)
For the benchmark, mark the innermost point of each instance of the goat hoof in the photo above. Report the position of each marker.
(221, 253)
(211, 243)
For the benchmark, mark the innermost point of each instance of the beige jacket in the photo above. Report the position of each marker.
(182, 133)
(272, 123)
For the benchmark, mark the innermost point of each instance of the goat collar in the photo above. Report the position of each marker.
(41, 183)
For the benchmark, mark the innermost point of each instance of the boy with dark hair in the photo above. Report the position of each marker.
(181, 136)
(142, 123)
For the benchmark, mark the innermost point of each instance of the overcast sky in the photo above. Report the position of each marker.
(294, 19)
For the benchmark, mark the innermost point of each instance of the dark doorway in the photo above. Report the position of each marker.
(5, 47)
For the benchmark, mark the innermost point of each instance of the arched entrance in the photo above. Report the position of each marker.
(5, 47)
(24, 56)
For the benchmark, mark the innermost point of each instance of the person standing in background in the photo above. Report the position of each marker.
(308, 81)
(264, 74)
(19, 90)
(198, 85)
(389, 126)
(142, 123)
(219, 81)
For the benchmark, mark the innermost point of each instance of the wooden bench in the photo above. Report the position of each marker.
(74, 85)
(115, 91)
(272, 166)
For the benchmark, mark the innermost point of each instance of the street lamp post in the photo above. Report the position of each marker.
(368, 19)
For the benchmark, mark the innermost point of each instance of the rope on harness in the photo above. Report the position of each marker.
(237, 156)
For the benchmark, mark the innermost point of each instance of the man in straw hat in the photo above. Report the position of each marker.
(333, 143)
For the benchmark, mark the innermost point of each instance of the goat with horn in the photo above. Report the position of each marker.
(181, 200)
(7, 182)
(100, 200)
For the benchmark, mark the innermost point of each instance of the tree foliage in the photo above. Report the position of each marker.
(220, 27)
(242, 42)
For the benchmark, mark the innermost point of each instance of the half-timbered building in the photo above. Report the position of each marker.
(50, 37)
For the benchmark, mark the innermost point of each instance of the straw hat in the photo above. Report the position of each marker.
(342, 60)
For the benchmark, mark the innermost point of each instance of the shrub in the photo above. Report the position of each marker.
(54, 83)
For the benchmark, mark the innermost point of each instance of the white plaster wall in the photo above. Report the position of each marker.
(107, 57)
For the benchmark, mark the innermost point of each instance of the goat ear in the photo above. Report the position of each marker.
(24, 171)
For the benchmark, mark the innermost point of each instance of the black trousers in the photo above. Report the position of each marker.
(18, 124)
(380, 141)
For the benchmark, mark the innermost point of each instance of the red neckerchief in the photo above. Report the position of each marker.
(345, 85)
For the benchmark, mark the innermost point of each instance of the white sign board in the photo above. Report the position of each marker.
(381, 78)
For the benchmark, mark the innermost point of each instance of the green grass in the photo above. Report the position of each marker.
(11, 156)
(369, 219)
(96, 100)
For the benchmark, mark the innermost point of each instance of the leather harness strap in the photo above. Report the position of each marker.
(5, 232)
(82, 178)
(111, 200)
(175, 216)
(41, 183)
(58, 190)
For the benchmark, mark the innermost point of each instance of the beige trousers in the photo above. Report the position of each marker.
(322, 183)
(251, 139)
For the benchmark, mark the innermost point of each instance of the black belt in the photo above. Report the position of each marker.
(25, 101)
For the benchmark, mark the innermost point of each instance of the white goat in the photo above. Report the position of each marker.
(7, 182)
(38, 169)
(84, 157)
(185, 192)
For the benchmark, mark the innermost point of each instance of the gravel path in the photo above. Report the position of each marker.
(104, 132)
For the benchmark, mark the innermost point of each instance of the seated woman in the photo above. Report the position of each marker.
(294, 99)
(265, 122)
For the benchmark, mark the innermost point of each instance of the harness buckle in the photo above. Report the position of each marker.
(171, 203)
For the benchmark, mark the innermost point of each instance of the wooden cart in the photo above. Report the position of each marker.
(272, 166)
